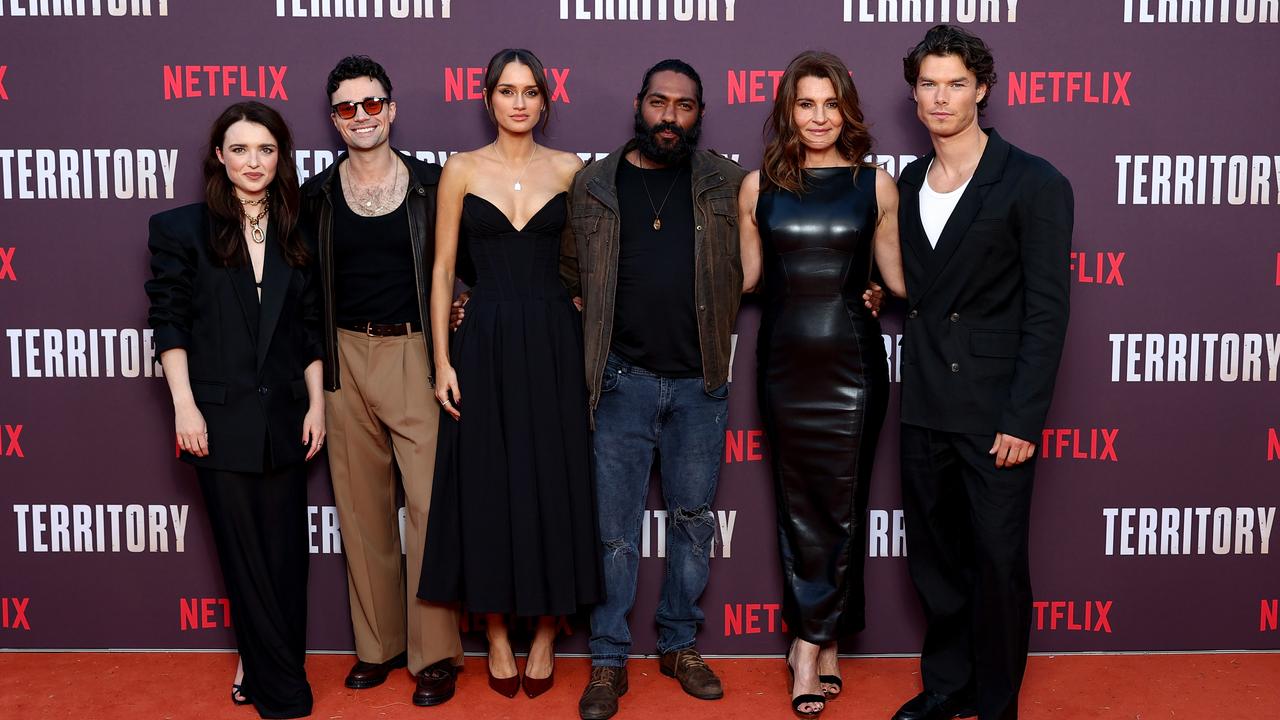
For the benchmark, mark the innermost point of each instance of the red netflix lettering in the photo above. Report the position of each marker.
(753, 619)
(203, 613)
(13, 613)
(1273, 444)
(1088, 267)
(1069, 86)
(1270, 615)
(192, 81)
(4, 95)
(10, 445)
(6, 264)
(743, 446)
(1074, 444)
(1073, 616)
(467, 83)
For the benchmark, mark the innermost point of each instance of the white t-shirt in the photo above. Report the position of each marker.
(936, 207)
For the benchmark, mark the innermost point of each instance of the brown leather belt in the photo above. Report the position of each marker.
(380, 330)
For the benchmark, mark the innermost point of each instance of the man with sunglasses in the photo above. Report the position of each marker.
(371, 220)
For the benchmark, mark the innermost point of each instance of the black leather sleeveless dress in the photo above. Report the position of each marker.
(823, 390)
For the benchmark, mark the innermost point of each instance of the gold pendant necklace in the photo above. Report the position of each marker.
(255, 230)
(657, 212)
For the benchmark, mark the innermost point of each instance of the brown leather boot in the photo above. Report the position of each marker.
(692, 671)
(599, 699)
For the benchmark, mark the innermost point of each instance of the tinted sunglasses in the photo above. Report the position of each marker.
(372, 106)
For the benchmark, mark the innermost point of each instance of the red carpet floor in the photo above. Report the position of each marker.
(107, 686)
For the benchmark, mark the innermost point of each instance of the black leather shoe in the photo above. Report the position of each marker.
(436, 684)
(930, 705)
(365, 675)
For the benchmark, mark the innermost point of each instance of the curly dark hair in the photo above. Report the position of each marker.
(951, 40)
(356, 66)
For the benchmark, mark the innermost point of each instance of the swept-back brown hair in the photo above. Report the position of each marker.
(784, 152)
(225, 211)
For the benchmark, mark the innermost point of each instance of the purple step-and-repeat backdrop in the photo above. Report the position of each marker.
(1159, 468)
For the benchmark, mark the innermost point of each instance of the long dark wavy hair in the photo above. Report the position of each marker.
(784, 152)
(225, 211)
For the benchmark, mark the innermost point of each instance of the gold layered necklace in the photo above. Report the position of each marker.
(255, 229)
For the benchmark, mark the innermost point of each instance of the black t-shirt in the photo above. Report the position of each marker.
(373, 263)
(654, 324)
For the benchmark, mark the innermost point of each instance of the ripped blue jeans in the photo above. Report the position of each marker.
(639, 415)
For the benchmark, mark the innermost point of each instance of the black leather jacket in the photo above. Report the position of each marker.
(317, 223)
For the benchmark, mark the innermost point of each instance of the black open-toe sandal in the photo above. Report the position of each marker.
(831, 680)
(238, 695)
(807, 698)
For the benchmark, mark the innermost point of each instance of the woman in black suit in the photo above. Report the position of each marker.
(236, 321)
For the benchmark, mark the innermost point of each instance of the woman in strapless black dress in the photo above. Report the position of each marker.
(512, 528)
(816, 219)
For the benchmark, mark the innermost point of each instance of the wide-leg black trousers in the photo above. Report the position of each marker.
(259, 523)
(967, 528)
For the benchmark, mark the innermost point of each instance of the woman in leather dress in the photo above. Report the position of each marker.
(815, 220)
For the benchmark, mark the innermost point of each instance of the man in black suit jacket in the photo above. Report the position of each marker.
(986, 236)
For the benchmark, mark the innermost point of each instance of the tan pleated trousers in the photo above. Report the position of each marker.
(384, 409)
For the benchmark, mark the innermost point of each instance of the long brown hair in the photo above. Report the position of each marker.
(784, 153)
(227, 215)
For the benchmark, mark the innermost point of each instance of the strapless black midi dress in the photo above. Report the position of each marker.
(512, 527)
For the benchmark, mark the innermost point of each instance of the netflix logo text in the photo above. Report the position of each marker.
(1270, 615)
(193, 81)
(1073, 615)
(11, 441)
(1097, 268)
(4, 94)
(13, 613)
(1079, 444)
(203, 613)
(753, 86)
(467, 83)
(1038, 87)
(743, 446)
(6, 264)
(753, 619)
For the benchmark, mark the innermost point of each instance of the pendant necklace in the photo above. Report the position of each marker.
(657, 212)
(516, 186)
(255, 230)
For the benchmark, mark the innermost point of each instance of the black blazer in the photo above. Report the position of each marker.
(245, 363)
(987, 308)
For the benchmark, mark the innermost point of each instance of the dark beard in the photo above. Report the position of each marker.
(646, 140)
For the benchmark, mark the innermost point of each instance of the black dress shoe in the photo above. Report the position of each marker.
(365, 675)
(436, 684)
(930, 705)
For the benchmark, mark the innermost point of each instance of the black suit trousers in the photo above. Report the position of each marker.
(967, 526)
(259, 523)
